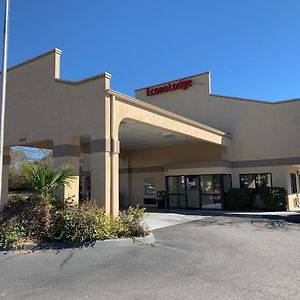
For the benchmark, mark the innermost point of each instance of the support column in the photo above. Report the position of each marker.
(100, 173)
(105, 161)
(115, 178)
(69, 154)
(5, 176)
(114, 156)
(225, 153)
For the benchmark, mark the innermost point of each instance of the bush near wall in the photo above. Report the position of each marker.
(272, 198)
(238, 199)
(44, 220)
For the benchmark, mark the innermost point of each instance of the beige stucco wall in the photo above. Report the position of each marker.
(43, 107)
(136, 184)
(163, 156)
(265, 136)
(42, 110)
(133, 183)
(122, 108)
(40, 107)
(129, 108)
(135, 164)
(259, 130)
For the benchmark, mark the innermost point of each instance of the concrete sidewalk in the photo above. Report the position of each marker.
(160, 218)
(157, 220)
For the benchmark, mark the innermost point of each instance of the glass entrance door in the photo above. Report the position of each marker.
(192, 191)
(197, 191)
(176, 192)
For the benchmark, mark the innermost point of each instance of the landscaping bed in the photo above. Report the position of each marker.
(52, 223)
(42, 219)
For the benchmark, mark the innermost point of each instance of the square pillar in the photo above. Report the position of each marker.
(101, 173)
(105, 174)
(68, 154)
(115, 178)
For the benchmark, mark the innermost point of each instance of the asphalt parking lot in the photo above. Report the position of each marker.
(218, 257)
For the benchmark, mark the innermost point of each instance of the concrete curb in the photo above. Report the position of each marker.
(149, 239)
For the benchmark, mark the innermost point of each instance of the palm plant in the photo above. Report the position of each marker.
(47, 180)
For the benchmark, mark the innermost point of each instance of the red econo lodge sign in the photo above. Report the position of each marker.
(169, 87)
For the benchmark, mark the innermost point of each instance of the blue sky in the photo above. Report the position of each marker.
(252, 47)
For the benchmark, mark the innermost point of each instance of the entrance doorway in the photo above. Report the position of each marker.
(192, 192)
(197, 191)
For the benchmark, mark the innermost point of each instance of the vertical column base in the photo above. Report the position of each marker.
(69, 154)
(100, 179)
(115, 205)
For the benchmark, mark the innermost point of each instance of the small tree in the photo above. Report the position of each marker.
(46, 180)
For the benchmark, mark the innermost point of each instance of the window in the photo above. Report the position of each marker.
(211, 189)
(293, 183)
(195, 191)
(191, 183)
(254, 181)
(150, 186)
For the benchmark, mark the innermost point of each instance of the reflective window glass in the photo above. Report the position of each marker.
(206, 184)
(173, 184)
(173, 201)
(191, 183)
(227, 183)
(253, 181)
(150, 186)
(216, 184)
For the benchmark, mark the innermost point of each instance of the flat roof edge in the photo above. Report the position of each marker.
(256, 101)
(158, 84)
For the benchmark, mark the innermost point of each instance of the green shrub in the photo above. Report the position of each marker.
(18, 182)
(274, 198)
(41, 217)
(15, 198)
(32, 214)
(45, 179)
(11, 232)
(132, 222)
(85, 223)
(238, 199)
(51, 220)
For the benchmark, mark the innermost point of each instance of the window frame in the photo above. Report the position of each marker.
(147, 184)
(293, 183)
(255, 175)
(183, 193)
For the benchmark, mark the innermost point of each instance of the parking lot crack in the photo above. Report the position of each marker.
(66, 260)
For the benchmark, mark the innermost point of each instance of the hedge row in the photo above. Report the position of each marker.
(274, 199)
